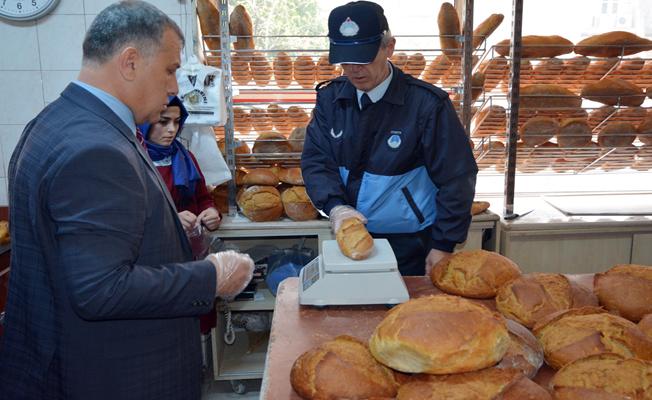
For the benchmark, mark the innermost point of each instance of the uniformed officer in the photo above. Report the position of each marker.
(387, 148)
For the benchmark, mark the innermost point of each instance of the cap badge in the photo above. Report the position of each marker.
(349, 28)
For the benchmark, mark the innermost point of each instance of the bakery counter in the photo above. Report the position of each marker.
(296, 329)
(482, 233)
(548, 240)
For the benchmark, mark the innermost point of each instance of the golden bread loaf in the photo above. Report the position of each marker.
(239, 147)
(304, 71)
(240, 25)
(548, 70)
(579, 332)
(524, 353)
(282, 66)
(220, 195)
(523, 389)
(260, 68)
(486, 28)
(209, 22)
(548, 96)
(290, 175)
(440, 334)
(534, 46)
(449, 29)
(599, 115)
(473, 273)
(271, 142)
(341, 368)
(539, 130)
(625, 289)
(645, 325)
(644, 131)
(612, 44)
(574, 132)
(354, 240)
(325, 70)
(415, 65)
(241, 120)
(260, 119)
(604, 377)
(495, 70)
(617, 134)
(297, 204)
(437, 69)
(399, 59)
(531, 297)
(260, 176)
(297, 117)
(582, 296)
(613, 91)
(261, 203)
(297, 138)
(477, 385)
(240, 70)
(278, 116)
(478, 207)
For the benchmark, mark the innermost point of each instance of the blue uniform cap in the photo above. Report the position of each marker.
(355, 31)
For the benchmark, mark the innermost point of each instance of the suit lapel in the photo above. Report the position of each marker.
(88, 101)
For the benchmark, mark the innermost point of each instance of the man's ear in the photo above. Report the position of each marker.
(390, 48)
(128, 61)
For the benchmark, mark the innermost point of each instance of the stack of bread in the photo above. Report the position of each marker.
(266, 194)
(304, 71)
(453, 346)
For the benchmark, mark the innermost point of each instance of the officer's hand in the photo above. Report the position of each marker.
(340, 213)
(433, 258)
(188, 220)
(233, 272)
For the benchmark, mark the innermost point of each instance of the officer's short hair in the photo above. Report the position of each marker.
(386, 39)
(129, 22)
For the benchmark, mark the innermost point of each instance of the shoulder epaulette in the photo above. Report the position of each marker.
(442, 94)
(323, 84)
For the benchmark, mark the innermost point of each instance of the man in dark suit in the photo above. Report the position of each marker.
(102, 297)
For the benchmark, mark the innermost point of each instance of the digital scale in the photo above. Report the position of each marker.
(334, 279)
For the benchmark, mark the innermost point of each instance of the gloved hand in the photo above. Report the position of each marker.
(233, 272)
(340, 213)
(434, 256)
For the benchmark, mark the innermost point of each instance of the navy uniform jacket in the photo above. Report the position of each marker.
(101, 302)
(405, 162)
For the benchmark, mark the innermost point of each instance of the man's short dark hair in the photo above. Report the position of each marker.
(128, 22)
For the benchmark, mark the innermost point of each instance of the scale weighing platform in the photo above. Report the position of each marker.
(334, 279)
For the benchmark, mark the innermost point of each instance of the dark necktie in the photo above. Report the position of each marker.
(365, 101)
(140, 138)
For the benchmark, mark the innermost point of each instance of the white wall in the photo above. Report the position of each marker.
(39, 58)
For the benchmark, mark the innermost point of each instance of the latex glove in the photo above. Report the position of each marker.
(340, 213)
(188, 220)
(233, 272)
(210, 217)
(434, 256)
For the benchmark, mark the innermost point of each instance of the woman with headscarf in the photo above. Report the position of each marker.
(183, 178)
(179, 169)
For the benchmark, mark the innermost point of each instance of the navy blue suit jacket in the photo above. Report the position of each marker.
(102, 302)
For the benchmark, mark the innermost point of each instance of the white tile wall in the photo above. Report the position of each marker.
(167, 6)
(70, 7)
(55, 81)
(19, 47)
(60, 41)
(22, 96)
(38, 59)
